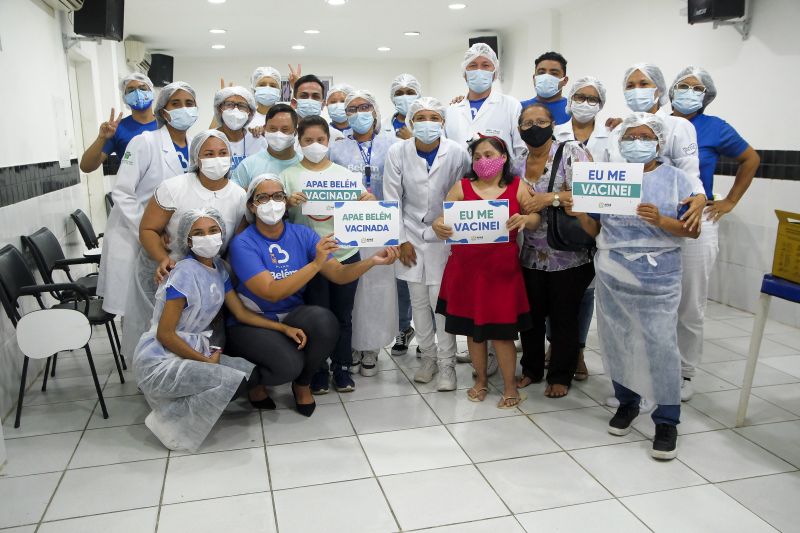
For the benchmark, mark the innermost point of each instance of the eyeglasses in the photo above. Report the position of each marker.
(264, 197)
(227, 106)
(638, 138)
(699, 89)
(528, 124)
(581, 98)
(363, 108)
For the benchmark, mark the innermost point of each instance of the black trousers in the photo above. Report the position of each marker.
(276, 356)
(557, 295)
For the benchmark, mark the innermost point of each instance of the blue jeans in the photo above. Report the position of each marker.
(664, 414)
(403, 304)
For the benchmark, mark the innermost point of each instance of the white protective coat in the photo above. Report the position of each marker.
(597, 144)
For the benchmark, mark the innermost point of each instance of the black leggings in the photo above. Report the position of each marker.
(276, 356)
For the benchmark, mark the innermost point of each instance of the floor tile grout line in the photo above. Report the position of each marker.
(269, 473)
(163, 489)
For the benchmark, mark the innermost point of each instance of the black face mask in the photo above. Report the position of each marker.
(536, 136)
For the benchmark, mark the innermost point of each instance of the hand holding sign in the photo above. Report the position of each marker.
(366, 223)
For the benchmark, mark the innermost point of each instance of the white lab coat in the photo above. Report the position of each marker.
(498, 116)
(596, 144)
(149, 159)
(406, 179)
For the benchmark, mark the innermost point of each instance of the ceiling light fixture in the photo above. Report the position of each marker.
(383, 49)
(457, 6)
(217, 46)
(216, 30)
(298, 47)
(336, 2)
(412, 34)
(216, 1)
(311, 32)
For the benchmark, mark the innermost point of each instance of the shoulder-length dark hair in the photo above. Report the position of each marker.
(507, 178)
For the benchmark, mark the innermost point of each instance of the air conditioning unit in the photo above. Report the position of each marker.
(65, 5)
(136, 55)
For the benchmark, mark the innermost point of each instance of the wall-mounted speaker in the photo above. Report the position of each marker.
(100, 18)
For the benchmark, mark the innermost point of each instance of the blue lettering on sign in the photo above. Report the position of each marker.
(613, 175)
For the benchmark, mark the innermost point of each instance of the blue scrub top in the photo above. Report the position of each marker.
(715, 137)
(557, 108)
(128, 129)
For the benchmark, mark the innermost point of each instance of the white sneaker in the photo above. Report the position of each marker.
(369, 363)
(355, 366)
(425, 373)
(645, 405)
(463, 357)
(447, 377)
(687, 390)
(491, 366)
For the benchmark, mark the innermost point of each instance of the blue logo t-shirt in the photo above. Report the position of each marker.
(128, 129)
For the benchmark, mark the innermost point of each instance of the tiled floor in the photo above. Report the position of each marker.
(398, 456)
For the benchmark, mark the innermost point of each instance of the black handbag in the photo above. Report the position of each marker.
(563, 231)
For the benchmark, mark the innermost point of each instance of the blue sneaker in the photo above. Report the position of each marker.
(320, 382)
(342, 380)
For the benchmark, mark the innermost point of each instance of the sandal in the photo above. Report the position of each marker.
(476, 397)
(514, 401)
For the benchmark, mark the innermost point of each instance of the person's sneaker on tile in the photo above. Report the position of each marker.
(355, 366)
(491, 365)
(620, 423)
(687, 389)
(426, 371)
(463, 356)
(402, 341)
(447, 376)
(665, 443)
(342, 381)
(320, 382)
(369, 363)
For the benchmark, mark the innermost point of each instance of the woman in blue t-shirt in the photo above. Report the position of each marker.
(273, 261)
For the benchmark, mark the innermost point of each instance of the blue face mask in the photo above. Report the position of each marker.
(139, 99)
(546, 85)
(182, 118)
(641, 100)
(361, 122)
(687, 101)
(402, 102)
(267, 96)
(479, 81)
(307, 107)
(427, 132)
(638, 151)
(337, 112)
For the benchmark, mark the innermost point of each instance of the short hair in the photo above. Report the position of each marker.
(537, 105)
(507, 178)
(309, 78)
(551, 56)
(281, 108)
(311, 121)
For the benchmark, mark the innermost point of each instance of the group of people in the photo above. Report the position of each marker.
(218, 218)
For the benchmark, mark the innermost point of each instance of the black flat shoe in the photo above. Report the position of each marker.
(305, 409)
(268, 404)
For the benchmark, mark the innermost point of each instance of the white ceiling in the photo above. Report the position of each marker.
(357, 29)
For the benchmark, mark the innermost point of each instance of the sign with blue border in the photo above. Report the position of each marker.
(368, 224)
(477, 221)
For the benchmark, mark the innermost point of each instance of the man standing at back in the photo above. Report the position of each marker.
(549, 80)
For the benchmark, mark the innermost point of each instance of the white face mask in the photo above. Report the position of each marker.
(271, 212)
(235, 119)
(207, 246)
(279, 141)
(583, 112)
(215, 168)
(315, 152)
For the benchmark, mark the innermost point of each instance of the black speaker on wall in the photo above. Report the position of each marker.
(161, 69)
(711, 10)
(100, 18)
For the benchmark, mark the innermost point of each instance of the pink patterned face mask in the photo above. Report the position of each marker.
(487, 168)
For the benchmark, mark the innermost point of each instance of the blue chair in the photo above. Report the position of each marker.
(771, 286)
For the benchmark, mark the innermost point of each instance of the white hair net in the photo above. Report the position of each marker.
(478, 50)
(424, 103)
(223, 94)
(251, 189)
(588, 81)
(264, 72)
(369, 97)
(165, 94)
(185, 227)
(705, 78)
(197, 144)
(654, 74)
(405, 81)
(644, 119)
(137, 76)
(341, 88)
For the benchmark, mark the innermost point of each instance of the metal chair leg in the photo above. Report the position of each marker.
(53, 368)
(21, 391)
(96, 382)
(119, 345)
(116, 357)
(46, 373)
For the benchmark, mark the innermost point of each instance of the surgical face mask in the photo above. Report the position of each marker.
(182, 118)
(271, 213)
(267, 96)
(488, 167)
(402, 102)
(307, 107)
(138, 99)
(315, 152)
(361, 122)
(479, 81)
(337, 113)
(427, 132)
(583, 112)
(207, 246)
(641, 100)
(279, 141)
(536, 136)
(638, 151)
(215, 168)
(235, 119)
(546, 85)
(687, 101)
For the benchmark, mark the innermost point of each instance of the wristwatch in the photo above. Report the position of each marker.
(556, 201)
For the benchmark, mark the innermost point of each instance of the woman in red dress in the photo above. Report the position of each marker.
(483, 294)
